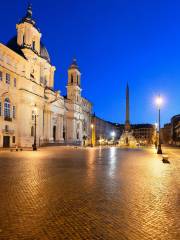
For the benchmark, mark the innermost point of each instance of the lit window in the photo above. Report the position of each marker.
(7, 108)
(14, 82)
(1, 75)
(7, 78)
(14, 112)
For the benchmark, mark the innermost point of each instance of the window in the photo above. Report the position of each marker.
(77, 79)
(7, 108)
(14, 112)
(33, 45)
(7, 78)
(1, 76)
(14, 82)
(71, 78)
(13, 139)
(32, 116)
(32, 131)
(23, 39)
(6, 128)
(0, 108)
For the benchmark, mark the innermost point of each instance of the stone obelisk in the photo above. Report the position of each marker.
(127, 122)
(127, 139)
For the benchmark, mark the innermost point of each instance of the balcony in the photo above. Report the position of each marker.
(9, 119)
(8, 131)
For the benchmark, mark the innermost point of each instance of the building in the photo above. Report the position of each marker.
(27, 84)
(175, 130)
(78, 114)
(144, 133)
(105, 130)
(166, 134)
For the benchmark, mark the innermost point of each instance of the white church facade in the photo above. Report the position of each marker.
(27, 83)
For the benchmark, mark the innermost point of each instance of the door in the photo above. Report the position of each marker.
(54, 133)
(6, 141)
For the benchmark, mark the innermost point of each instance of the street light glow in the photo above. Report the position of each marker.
(159, 101)
(113, 134)
(92, 126)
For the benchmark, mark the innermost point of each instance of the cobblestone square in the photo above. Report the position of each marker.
(89, 194)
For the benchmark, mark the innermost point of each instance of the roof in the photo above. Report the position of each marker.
(28, 17)
(12, 44)
(74, 64)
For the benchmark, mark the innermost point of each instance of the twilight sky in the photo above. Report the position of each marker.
(114, 41)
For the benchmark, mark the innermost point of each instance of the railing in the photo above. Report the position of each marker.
(9, 119)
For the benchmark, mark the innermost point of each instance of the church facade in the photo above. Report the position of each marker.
(27, 91)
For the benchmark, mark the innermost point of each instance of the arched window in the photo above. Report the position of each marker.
(78, 135)
(7, 108)
(23, 40)
(77, 79)
(71, 78)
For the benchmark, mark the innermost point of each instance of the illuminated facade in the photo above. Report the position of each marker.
(26, 80)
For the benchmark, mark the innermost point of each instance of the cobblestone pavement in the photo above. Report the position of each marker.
(97, 194)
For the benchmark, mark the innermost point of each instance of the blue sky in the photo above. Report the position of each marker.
(114, 41)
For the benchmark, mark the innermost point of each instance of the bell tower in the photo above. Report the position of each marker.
(74, 80)
(28, 35)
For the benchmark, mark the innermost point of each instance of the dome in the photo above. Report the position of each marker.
(12, 44)
(44, 53)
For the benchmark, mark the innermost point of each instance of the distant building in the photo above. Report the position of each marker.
(144, 133)
(175, 130)
(166, 134)
(104, 130)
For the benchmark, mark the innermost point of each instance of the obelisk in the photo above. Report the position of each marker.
(127, 122)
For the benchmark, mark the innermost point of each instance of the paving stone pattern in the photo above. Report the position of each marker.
(88, 194)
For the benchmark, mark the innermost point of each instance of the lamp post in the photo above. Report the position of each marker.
(156, 129)
(159, 103)
(35, 126)
(92, 129)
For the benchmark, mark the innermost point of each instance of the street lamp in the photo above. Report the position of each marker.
(92, 129)
(156, 129)
(159, 103)
(35, 126)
